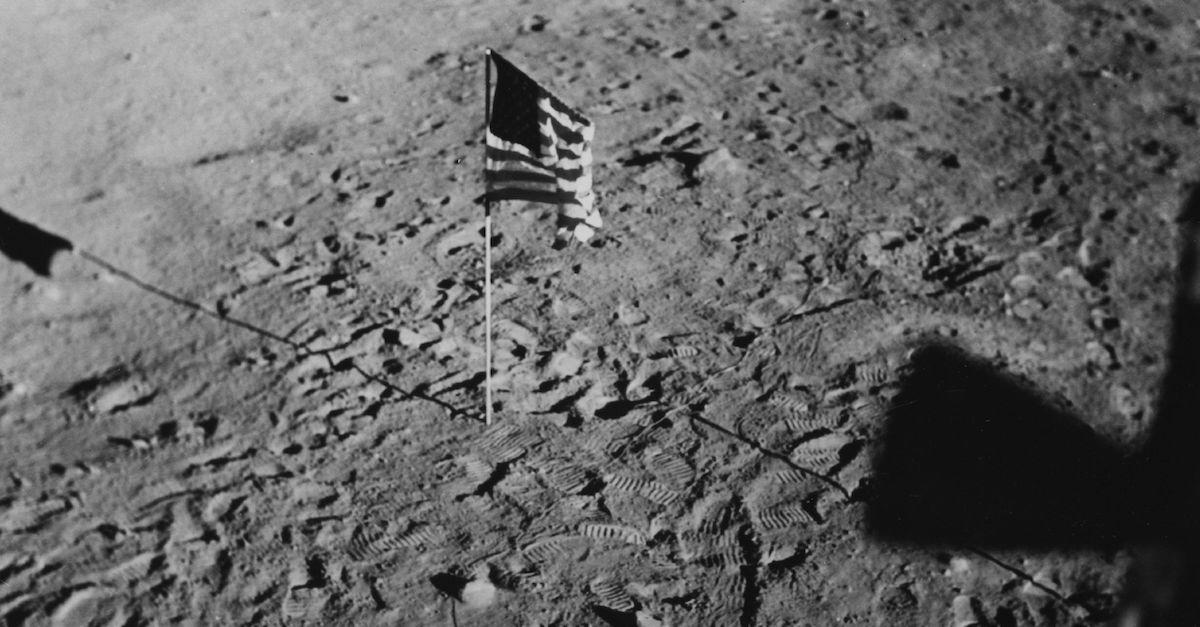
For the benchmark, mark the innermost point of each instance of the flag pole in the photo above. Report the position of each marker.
(487, 242)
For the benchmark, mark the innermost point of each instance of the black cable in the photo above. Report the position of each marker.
(299, 347)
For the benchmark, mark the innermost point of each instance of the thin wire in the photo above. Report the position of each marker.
(300, 347)
(1029, 578)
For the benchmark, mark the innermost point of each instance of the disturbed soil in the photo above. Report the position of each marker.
(797, 196)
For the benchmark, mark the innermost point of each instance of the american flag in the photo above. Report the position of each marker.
(540, 150)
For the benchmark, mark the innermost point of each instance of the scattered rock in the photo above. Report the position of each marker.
(966, 611)
(534, 24)
(721, 167)
(965, 224)
(563, 364)
(629, 315)
(1101, 355)
(1027, 308)
(1023, 284)
(1125, 402)
(682, 126)
(113, 391)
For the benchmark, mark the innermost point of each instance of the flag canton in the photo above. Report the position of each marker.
(514, 107)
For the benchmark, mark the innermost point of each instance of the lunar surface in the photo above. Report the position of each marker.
(693, 410)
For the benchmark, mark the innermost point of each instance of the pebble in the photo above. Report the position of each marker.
(1071, 276)
(1027, 308)
(564, 364)
(1085, 254)
(671, 133)
(269, 470)
(533, 24)
(891, 239)
(1103, 320)
(1030, 259)
(1023, 283)
(419, 336)
(965, 223)
(1100, 354)
(966, 611)
(1125, 402)
(630, 316)
(720, 164)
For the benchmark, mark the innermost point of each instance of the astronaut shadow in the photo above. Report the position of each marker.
(972, 456)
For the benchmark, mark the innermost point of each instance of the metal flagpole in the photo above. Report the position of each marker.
(487, 241)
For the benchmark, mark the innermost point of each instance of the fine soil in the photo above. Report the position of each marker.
(800, 200)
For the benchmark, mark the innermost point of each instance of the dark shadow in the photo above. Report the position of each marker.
(25, 243)
(449, 584)
(1171, 459)
(1166, 575)
(972, 456)
(615, 618)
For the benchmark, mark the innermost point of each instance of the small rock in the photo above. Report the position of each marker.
(1071, 276)
(518, 333)
(683, 125)
(1085, 253)
(896, 605)
(630, 316)
(445, 347)
(733, 232)
(567, 307)
(1125, 402)
(479, 592)
(1027, 308)
(891, 111)
(966, 611)
(580, 342)
(1103, 320)
(960, 566)
(676, 53)
(1030, 259)
(593, 400)
(533, 24)
(415, 337)
(891, 239)
(1101, 355)
(965, 223)
(721, 165)
(1023, 283)
(564, 364)
(269, 470)
(127, 393)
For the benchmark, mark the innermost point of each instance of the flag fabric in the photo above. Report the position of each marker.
(540, 150)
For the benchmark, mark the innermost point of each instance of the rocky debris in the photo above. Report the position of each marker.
(687, 407)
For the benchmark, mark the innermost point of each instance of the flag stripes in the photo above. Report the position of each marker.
(539, 150)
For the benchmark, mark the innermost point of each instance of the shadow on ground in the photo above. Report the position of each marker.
(973, 457)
